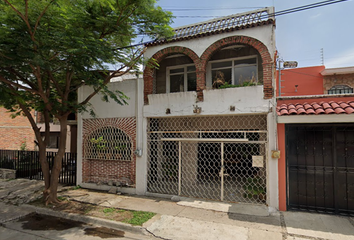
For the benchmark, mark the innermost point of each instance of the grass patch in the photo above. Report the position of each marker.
(139, 217)
(109, 210)
(136, 218)
(62, 198)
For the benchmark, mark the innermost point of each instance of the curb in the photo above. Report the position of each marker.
(89, 220)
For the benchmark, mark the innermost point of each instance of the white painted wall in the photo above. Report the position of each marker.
(112, 109)
(247, 100)
(265, 34)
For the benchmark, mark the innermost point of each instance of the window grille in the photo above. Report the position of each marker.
(340, 89)
(109, 143)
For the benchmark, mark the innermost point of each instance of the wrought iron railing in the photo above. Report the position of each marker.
(27, 165)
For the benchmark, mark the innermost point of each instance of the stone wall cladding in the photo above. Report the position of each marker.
(14, 131)
(104, 171)
(201, 63)
(338, 79)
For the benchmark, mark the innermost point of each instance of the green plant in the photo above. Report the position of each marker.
(109, 210)
(139, 217)
(244, 84)
(99, 143)
(76, 187)
(254, 189)
(62, 198)
(120, 147)
(23, 146)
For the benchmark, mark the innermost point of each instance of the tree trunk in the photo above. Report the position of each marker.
(51, 191)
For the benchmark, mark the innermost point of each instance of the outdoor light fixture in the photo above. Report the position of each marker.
(138, 152)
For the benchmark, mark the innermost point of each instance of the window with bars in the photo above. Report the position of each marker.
(109, 143)
(340, 89)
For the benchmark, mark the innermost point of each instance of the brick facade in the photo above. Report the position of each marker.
(337, 79)
(14, 131)
(94, 171)
(201, 63)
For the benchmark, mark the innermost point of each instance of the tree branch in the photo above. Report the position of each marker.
(40, 16)
(13, 84)
(23, 18)
(113, 74)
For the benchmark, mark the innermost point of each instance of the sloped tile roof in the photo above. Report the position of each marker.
(331, 107)
(229, 23)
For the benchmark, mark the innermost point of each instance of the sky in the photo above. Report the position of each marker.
(299, 36)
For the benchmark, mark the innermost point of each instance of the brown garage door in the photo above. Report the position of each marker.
(320, 168)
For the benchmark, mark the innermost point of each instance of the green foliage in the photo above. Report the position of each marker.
(253, 188)
(120, 147)
(109, 210)
(48, 49)
(244, 84)
(139, 217)
(99, 143)
(23, 145)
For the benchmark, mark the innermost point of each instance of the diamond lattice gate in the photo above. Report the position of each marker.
(217, 158)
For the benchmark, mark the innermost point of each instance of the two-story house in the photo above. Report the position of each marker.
(201, 125)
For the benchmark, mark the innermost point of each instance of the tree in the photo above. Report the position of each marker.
(50, 48)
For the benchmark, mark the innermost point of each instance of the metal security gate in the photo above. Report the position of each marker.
(209, 157)
(320, 163)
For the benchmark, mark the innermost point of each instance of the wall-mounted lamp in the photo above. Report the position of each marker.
(296, 88)
(232, 108)
(138, 152)
(197, 109)
(168, 111)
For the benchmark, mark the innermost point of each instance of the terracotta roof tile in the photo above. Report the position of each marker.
(331, 107)
(349, 110)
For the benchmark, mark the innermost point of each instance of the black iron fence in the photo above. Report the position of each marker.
(27, 165)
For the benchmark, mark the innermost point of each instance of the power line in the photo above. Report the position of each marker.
(275, 14)
(282, 12)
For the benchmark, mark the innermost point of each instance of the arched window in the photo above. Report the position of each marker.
(340, 89)
(108, 143)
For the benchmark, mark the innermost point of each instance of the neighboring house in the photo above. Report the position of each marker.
(71, 136)
(316, 140)
(192, 138)
(15, 132)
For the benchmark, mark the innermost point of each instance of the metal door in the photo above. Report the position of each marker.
(320, 163)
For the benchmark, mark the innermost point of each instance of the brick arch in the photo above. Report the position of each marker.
(159, 56)
(258, 45)
(94, 170)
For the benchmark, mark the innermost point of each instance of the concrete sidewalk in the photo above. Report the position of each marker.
(186, 218)
(194, 219)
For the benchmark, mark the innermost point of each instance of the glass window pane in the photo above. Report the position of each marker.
(192, 81)
(177, 83)
(191, 69)
(245, 74)
(222, 76)
(221, 64)
(177, 70)
(245, 62)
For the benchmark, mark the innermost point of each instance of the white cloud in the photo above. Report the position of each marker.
(343, 59)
